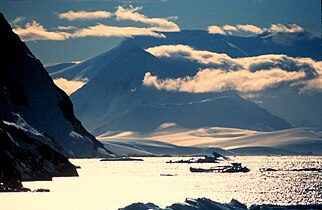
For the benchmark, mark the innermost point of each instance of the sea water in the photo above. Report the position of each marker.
(111, 185)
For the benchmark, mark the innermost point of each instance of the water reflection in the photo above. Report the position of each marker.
(110, 185)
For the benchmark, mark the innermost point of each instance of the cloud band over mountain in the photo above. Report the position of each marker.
(102, 30)
(216, 80)
(247, 74)
(274, 28)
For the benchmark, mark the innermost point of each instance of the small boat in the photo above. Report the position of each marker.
(233, 168)
(201, 170)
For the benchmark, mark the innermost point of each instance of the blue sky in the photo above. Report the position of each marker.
(186, 14)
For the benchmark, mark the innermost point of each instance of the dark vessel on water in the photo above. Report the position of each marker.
(233, 168)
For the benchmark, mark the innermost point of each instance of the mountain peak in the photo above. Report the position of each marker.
(135, 54)
(299, 34)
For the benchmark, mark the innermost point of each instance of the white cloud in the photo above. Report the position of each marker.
(274, 28)
(215, 30)
(69, 86)
(314, 84)
(250, 28)
(242, 74)
(65, 28)
(35, 31)
(285, 28)
(187, 52)
(158, 24)
(101, 30)
(229, 28)
(216, 80)
(223, 29)
(223, 61)
(84, 15)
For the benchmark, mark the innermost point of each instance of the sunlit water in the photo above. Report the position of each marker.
(111, 185)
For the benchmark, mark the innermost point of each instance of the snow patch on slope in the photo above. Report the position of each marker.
(296, 140)
(69, 86)
(21, 124)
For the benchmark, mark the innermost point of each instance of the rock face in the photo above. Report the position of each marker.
(23, 158)
(38, 129)
(30, 99)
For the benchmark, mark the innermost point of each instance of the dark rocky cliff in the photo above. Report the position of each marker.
(38, 128)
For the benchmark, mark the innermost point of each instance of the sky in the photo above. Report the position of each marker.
(60, 31)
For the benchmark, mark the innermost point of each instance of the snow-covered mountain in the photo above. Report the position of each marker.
(30, 101)
(119, 101)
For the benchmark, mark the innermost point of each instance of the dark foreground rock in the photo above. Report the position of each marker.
(141, 206)
(30, 99)
(38, 128)
(12, 185)
(207, 204)
(23, 158)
